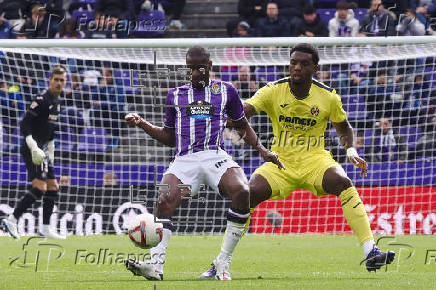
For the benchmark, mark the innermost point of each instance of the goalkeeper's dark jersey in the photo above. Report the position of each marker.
(41, 118)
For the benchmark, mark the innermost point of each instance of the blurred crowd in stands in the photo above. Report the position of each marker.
(151, 18)
(391, 104)
(392, 109)
(280, 18)
(88, 18)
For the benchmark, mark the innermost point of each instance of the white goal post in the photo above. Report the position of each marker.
(109, 172)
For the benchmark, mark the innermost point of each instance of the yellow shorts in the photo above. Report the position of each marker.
(305, 174)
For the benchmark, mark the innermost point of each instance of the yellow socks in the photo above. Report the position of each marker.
(247, 223)
(354, 212)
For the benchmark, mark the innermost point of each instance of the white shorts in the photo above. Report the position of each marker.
(204, 167)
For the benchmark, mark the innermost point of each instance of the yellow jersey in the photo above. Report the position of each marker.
(298, 125)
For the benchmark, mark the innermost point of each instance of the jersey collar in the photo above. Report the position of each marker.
(295, 96)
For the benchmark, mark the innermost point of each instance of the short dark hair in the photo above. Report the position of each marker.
(308, 10)
(198, 51)
(58, 69)
(342, 5)
(307, 48)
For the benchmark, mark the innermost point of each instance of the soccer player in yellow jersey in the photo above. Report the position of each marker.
(299, 108)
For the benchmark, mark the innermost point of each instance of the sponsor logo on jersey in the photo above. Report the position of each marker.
(284, 105)
(200, 110)
(314, 111)
(215, 89)
(297, 120)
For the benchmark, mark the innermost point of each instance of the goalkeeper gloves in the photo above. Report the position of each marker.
(37, 154)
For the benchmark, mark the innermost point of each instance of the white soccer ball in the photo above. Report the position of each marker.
(144, 232)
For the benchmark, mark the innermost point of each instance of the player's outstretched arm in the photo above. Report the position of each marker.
(162, 134)
(346, 136)
(249, 112)
(251, 138)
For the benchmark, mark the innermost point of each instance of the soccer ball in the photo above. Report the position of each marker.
(144, 232)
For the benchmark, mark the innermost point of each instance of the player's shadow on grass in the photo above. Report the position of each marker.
(290, 279)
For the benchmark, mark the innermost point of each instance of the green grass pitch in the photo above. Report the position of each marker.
(260, 262)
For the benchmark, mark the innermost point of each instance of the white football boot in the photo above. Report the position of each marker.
(222, 270)
(47, 232)
(145, 269)
(9, 225)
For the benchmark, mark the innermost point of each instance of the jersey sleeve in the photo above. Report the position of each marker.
(234, 107)
(170, 111)
(36, 108)
(337, 113)
(260, 100)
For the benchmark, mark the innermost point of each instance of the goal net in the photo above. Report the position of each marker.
(108, 172)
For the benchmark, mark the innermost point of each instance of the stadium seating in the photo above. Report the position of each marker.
(93, 140)
(228, 73)
(326, 14)
(83, 15)
(150, 24)
(360, 14)
(355, 107)
(430, 75)
(122, 77)
(368, 136)
(423, 171)
(5, 141)
(15, 140)
(66, 141)
(412, 133)
(268, 74)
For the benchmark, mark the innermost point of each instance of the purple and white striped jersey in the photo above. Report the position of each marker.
(199, 115)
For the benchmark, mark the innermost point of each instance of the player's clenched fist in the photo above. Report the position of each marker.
(133, 119)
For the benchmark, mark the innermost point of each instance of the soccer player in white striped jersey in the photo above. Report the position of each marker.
(196, 116)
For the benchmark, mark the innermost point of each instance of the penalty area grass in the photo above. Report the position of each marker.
(259, 262)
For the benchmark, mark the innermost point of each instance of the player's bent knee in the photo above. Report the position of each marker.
(52, 185)
(51, 194)
(335, 181)
(166, 205)
(40, 185)
(343, 184)
(241, 197)
(260, 190)
(52, 188)
(36, 193)
(340, 184)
